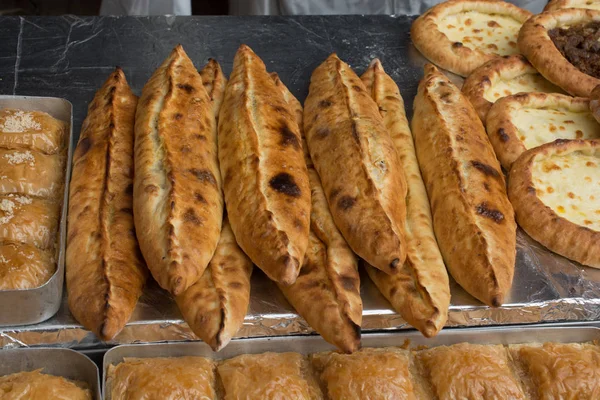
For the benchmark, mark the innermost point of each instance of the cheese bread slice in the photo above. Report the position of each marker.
(501, 77)
(555, 190)
(420, 291)
(526, 120)
(558, 4)
(461, 35)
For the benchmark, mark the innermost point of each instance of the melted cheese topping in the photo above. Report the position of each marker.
(489, 33)
(538, 126)
(570, 185)
(519, 84)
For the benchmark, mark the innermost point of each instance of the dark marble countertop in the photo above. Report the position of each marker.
(71, 56)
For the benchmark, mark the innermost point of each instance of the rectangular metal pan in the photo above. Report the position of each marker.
(31, 306)
(315, 344)
(60, 362)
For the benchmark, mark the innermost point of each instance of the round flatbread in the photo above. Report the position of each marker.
(595, 103)
(461, 35)
(526, 120)
(558, 4)
(572, 67)
(501, 77)
(555, 190)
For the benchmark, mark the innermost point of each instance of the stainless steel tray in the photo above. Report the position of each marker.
(60, 362)
(313, 344)
(31, 306)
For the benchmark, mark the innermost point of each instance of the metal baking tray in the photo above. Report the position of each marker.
(314, 344)
(31, 306)
(60, 362)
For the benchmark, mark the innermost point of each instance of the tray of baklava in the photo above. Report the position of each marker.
(500, 363)
(35, 159)
(44, 373)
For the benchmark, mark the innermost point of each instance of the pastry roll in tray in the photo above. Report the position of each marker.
(558, 363)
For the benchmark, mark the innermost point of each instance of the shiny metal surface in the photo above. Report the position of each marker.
(31, 306)
(313, 344)
(60, 362)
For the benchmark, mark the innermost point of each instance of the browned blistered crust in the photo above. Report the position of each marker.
(215, 306)
(454, 56)
(264, 173)
(420, 291)
(484, 77)
(472, 217)
(558, 234)
(595, 103)
(558, 4)
(105, 270)
(358, 165)
(327, 291)
(535, 44)
(177, 193)
(504, 135)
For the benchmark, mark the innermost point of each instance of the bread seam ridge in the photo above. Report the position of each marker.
(103, 223)
(254, 120)
(422, 290)
(168, 168)
(481, 238)
(346, 96)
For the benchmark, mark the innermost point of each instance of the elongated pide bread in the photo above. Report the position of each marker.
(327, 291)
(420, 291)
(215, 306)
(178, 206)
(357, 163)
(472, 218)
(264, 174)
(105, 269)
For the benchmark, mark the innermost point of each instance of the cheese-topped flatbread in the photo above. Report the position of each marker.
(501, 77)
(555, 190)
(558, 4)
(460, 35)
(562, 46)
(520, 122)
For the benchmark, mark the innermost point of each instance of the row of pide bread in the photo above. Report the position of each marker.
(32, 161)
(460, 371)
(352, 177)
(553, 189)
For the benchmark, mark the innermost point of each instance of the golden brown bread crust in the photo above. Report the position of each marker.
(33, 130)
(104, 266)
(269, 376)
(177, 187)
(504, 134)
(329, 276)
(34, 385)
(535, 44)
(484, 77)
(455, 56)
(420, 291)
(32, 173)
(357, 163)
(162, 378)
(264, 173)
(541, 222)
(23, 266)
(214, 83)
(595, 103)
(215, 306)
(472, 217)
(558, 4)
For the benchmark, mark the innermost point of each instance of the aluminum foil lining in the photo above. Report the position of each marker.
(546, 288)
